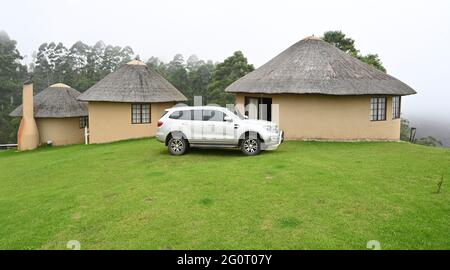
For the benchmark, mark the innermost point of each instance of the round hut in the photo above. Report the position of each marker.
(316, 91)
(60, 118)
(128, 103)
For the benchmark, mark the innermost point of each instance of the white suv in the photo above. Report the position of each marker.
(210, 126)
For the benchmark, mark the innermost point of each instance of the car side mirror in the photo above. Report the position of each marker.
(246, 116)
(228, 118)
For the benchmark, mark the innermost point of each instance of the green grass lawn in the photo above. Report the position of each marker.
(305, 195)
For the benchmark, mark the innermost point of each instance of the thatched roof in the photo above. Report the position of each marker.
(313, 66)
(134, 82)
(56, 101)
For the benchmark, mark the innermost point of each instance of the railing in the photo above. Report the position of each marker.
(8, 146)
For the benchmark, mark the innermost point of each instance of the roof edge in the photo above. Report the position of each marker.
(130, 101)
(317, 93)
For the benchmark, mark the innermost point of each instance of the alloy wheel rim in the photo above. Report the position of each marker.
(176, 145)
(250, 145)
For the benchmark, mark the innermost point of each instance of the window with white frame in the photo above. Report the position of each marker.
(396, 101)
(378, 108)
(140, 113)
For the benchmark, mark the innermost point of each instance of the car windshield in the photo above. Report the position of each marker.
(237, 113)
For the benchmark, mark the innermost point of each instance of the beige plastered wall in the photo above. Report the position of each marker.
(326, 117)
(111, 121)
(61, 131)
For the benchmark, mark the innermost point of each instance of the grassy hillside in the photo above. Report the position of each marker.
(305, 195)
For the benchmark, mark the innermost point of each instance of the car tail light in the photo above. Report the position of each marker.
(160, 123)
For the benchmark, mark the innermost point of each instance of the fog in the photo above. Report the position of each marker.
(412, 38)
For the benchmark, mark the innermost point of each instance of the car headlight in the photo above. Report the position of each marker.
(273, 129)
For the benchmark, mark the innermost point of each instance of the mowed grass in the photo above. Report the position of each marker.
(305, 195)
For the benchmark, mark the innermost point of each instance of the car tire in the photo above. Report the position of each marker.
(251, 146)
(177, 146)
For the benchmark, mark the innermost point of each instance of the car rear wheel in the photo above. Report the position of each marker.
(251, 146)
(177, 146)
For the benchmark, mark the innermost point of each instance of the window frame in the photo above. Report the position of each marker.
(262, 101)
(378, 112)
(396, 107)
(84, 122)
(141, 114)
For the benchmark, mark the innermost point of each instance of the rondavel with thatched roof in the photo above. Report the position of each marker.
(52, 116)
(316, 91)
(128, 103)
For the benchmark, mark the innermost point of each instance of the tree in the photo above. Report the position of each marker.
(346, 44)
(80, 66)
(51, 65)
(115, 57)
(196, 77)
(12, 74)
(193, 63)
(177, 75)
(78, 60)
(191, 77)
(225, 73)
(199, 78)
(154, 62)
(373, 60)
(405, 134)
(338, 39)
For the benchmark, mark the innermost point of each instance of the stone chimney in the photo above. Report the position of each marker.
(28, 135)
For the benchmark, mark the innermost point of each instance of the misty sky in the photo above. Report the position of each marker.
(412, 38)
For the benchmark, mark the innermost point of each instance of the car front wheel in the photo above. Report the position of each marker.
(177, 146)
(251, 146)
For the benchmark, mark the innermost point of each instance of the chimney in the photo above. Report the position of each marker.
(28, 135)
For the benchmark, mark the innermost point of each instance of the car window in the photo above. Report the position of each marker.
(181, 115)
(213, 115)
(197, 115)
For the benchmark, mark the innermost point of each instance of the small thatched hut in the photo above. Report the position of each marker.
(60, 118)
(316, 91)
(128, 103)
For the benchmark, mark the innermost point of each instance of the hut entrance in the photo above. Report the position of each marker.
(258, 108)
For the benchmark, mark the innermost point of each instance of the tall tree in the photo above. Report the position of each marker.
(154, 62)
(77, 59)
(225, 73)
(191, 77)
(80, 66)
(51, 65)
(346, 44)
(12, 74)
(177, 74)
(200, 75)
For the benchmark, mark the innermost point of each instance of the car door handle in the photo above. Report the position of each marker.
(236, 126)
